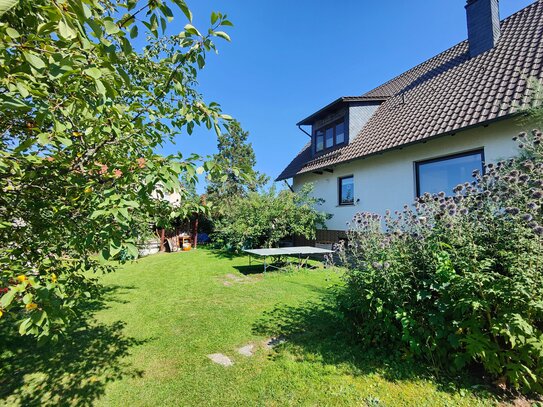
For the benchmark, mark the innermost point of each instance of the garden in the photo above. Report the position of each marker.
(146, 341)
(440, 303)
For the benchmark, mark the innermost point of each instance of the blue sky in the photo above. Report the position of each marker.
(287, 59)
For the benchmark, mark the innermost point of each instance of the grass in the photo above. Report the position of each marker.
(147, 341)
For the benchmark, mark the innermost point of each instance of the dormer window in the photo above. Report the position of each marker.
(319, 141)
(330, 136)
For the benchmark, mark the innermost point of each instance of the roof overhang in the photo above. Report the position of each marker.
(336, 104)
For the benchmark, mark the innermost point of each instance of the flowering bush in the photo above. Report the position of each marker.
(458, 280)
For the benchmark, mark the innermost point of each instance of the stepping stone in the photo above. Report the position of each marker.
(221, 359)
(246, 350)
(273, 342)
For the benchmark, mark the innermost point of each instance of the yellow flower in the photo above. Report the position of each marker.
(88, 190)
(54, 278)
(21, 278)
(31, 305)
(1, 313)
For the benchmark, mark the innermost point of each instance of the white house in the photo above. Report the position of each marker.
(427, 129)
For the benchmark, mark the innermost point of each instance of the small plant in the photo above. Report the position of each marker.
(458, 280)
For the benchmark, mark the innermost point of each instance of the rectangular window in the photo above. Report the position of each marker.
(443, 174)
(319, 141)
(340, 133)
(346, 190)
(330, 136)
(329, 140)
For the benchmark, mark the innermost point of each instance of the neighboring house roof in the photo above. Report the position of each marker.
(447, 93)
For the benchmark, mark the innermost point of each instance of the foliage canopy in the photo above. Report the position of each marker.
(262, 219)
(81, 113)
(234, 154)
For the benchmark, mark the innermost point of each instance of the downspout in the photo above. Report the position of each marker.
(286, 182)
(288, 185)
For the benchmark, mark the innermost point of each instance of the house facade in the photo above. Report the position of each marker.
(428, 129)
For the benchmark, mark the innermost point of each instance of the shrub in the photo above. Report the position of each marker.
(263, 218)
(458, 280)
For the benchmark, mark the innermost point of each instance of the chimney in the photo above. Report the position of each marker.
(483, 25)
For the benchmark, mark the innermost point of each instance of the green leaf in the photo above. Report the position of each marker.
(111, 27)
(43, 139)
(100, 88)
(65, 30)
(183, 6)
(23, 90)
(87, 11)
(13, 33)
(34, 60)
(132, 250)
(10, 102)
(5, 5)
(23, 328)
(192, 30)
(222, 34)
(93, 72)
(134, 31)
(214, 18)
(7, 299)
(167, 12)
(64, 140)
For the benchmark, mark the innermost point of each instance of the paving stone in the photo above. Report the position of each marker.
(271, 343)
(247, 350)
(220, 359)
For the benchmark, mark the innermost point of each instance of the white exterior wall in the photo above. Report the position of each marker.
(387, 181)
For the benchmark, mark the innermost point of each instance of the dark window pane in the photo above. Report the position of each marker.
(329, 141)
(443, 175)
(346, 191)
(340, 133)
(319, 140)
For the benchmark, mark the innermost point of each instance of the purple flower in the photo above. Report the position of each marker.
(512, 211)
(538, 230)
(527, 217)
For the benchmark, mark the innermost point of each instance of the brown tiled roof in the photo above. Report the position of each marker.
(445, 94)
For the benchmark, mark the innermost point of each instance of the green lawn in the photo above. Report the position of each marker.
(149, 339)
